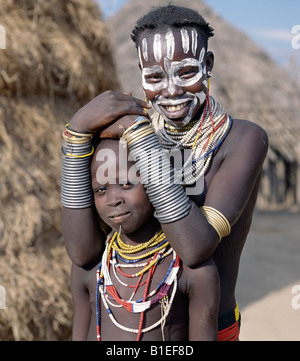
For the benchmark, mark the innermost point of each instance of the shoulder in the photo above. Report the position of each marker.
(246, 137)
(244, 129)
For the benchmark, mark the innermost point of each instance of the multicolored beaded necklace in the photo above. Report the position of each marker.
(115, 251)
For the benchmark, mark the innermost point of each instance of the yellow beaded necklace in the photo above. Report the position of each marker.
(124, 249)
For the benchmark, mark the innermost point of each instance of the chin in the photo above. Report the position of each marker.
(178, 123)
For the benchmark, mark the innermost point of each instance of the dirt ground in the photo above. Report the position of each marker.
(268, 289)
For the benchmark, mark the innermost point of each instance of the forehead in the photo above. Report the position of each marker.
(173, 43)
(111, 162)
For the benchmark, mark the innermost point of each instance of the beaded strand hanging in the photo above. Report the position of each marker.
(118, 255)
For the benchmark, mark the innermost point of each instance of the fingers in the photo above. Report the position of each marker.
(140, 102)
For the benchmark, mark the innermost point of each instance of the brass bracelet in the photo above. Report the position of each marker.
(139, 134)
(135, 126)
(217, 220)
(78, 134)
(132, 136)
(75, 139)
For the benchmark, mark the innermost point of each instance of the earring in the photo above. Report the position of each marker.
(209, 73)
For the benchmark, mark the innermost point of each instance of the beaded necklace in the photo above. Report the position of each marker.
(115, 251)
(203, 137)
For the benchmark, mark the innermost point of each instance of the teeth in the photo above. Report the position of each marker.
(175, 108)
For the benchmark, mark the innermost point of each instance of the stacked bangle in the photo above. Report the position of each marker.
(217, 220)
(76, 190)
(167, 197)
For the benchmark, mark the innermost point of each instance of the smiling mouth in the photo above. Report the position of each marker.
(175, 108)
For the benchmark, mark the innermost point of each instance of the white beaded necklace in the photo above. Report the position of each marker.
(213, 127)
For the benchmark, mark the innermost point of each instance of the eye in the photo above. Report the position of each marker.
(187, 73)
(126, 185)
(154, 78)
(100, 190)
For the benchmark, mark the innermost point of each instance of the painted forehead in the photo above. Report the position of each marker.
(157, 45)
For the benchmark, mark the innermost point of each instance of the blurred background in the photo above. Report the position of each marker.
(61, 54)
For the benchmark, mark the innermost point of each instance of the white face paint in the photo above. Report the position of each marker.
(145, 49)
(170, 45)
(185, 39)
(195, 42)
(183, 73)
(166, 102)
(157, 47)
(155, 78)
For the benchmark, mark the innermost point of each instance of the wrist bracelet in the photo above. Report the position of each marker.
(76, 189)
(167, 197)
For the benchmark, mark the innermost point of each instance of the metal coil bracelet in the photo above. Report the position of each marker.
(76, 188)
(166, 195)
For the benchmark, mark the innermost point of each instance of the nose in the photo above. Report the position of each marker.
(114, 197)
(172, 90)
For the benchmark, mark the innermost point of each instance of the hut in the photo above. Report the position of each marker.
(246, 81)
(57, 57)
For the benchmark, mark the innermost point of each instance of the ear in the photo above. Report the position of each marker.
(209, 61)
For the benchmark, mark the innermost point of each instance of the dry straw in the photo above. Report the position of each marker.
(57, 57)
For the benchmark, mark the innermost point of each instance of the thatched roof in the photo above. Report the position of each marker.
(245, 79)
(57, 57)
(54, 48)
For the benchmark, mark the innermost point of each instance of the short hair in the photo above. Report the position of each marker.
(171, 16)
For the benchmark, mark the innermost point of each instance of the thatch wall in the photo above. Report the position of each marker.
(247, 82)
(57, 57)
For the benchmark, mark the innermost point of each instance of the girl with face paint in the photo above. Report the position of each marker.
(227, 154)
(174, 67)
